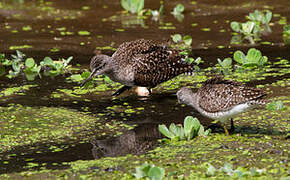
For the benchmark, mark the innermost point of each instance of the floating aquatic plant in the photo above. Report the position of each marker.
(133, 6)
(286, 30)
(253, 58)
(149, 171)
(191, 129)
(260, 17)
(156, 14)
(251, 30)
(229, 170)
(226, 65)
(275, 105)
(54, 68)
(286, 34)
(20, 64)
(178, 12)
(184, 42)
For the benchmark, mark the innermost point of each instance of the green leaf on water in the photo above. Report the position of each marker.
(198, 60)
(187, 40)
(228, 168)
(125, 4)
(29, 62)
(226, 63)
(239, 57)
(253, 56)
(286, 30)
(142, 171)
(26, 28)
(30, 76)
(188, 127)
(201, 130)
(248, 27)
(85, 74)
(47, 61)
(140, 5)
(76, 77)
(189, 60)
(161, 10)
(173, 129)
(176, 38)
(268, 16)
(235, 26)
(205, 29)
(196, 126)
(275, 105)
(179, 8)
(84, 33)
(210, 170)
(107, 79)
(156, 173)
(180, 132)
(150, 171)
(163, 130)
(133, 6)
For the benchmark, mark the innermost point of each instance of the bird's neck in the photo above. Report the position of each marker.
(193, 100)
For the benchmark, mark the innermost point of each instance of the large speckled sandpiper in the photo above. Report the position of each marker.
(221, 99)
(140, 63)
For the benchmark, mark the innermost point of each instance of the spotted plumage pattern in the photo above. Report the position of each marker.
(140, 63)
(222, 99)
(219, 94)
(152, 63)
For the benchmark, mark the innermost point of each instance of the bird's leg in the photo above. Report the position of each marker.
(121, 90)
(226, 130)
(232, 126)
(149, 90)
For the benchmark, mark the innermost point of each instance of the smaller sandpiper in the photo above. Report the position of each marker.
(221, 99)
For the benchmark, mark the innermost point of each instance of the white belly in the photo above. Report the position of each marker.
(226, 115)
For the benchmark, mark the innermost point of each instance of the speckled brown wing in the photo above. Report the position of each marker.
(222, 95)
(128, 50)
(153, 63)
(158, 66)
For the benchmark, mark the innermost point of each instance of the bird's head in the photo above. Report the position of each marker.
(99, 65)
(184, 95)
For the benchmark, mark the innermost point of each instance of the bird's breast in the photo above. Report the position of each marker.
(124, 76)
